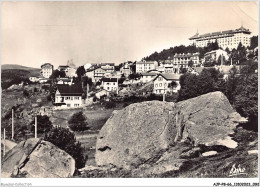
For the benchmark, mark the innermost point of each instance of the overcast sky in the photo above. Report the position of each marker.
(92, 32)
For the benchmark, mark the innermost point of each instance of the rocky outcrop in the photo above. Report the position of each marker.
(36, 158)
(144, 133)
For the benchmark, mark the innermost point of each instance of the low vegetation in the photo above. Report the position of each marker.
(66, 140)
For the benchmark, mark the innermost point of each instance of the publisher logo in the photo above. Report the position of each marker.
(237, 170)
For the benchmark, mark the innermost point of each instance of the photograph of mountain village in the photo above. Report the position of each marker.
(186, 107)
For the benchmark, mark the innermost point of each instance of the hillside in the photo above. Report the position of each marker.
(15, 74)
(33, 71)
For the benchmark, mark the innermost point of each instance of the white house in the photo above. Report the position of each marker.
(108, 67)
(98, 74)
(34, 79)
(43, 80)
(68, 96)
(125, 69)
(144, 66)
(147, 77)
(110, 84)
(215, 55)
(182, 60)
(71, 72)
(46, 70)
(162, 83)
(90, 73)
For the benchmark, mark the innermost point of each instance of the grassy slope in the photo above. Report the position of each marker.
(14, 74)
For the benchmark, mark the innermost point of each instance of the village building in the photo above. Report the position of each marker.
(46, 70)
(68, 96)
(147, 77)
(110, 84)
(87, 66)
(125, 69)
(34, 79)
(144, 66)
(64, 68)
(108, 67)
(162, 83)
(65, 80)
(215, 55)
(229, 38)
(182, 60)
(169, 68)
(90, 73)
(43, 80)
(98, 74)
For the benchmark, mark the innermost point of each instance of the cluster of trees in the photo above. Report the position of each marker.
(166, 53)
(241, 88)
(62, 137)
(78, 122)
(238, 55)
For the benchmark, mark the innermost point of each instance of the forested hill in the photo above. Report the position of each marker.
(166, 53)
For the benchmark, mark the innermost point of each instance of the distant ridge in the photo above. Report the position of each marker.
(15, 66)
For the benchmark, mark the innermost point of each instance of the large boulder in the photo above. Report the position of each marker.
(36, 158)
(142, 132)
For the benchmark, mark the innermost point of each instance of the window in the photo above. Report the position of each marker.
(68, 105)
(156, 85)
(160, 84)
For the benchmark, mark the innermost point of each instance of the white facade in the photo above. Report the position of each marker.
(46, 70)
(71, 72)
(230, 38)
(182, 60)
(110, 84)
(144, 66)
(162, 81)
(70, 101)
(34, 79)
(214, 55)
(147, 77)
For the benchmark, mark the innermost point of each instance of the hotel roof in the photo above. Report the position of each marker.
(239, 30)
(185, 55)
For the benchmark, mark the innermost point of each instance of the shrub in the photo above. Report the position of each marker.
(78, 122)
(110, 104)
(25, 93)
(43, 124)
(65, 140)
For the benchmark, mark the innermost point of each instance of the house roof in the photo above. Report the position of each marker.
(109, 79)
(239, 30)
(148, 74)
(47, 64)
(186, 55)
(146, 62)
(169, 76)
(70, 90)
(63, 67)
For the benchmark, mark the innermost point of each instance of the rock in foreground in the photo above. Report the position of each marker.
(35, 158)
(142, 133)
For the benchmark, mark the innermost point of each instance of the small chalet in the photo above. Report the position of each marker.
(68, 96)
(147, 77)
(162, 83)
(110, 84)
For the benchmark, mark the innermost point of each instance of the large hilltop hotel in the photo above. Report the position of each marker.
(229, 38)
